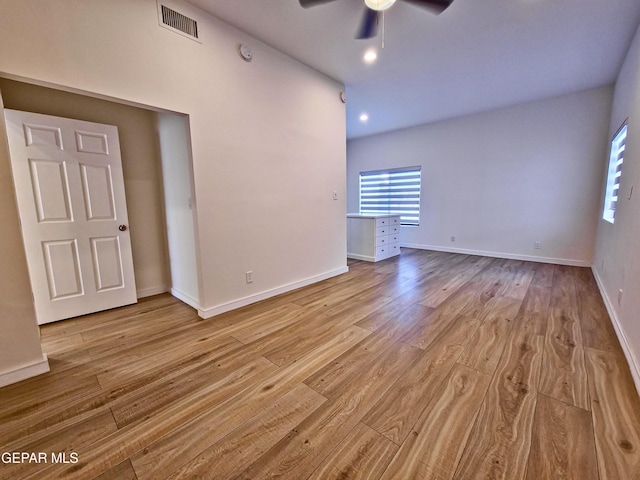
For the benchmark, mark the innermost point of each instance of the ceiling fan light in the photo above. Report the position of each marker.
(379, 5)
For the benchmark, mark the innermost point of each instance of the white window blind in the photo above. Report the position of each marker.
(392, 192)
(616, 159)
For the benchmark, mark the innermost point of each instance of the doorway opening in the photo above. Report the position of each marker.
(158, 179)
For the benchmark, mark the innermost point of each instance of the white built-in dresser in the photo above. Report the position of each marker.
(372, 237)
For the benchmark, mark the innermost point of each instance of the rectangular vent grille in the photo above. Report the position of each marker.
(176, 20)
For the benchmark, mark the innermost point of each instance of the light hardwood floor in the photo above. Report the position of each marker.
(424, 366)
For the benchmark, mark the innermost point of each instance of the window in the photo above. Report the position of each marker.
(392, 192)
(615, 170)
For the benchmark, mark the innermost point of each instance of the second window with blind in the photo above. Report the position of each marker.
(392, 192)
(616, 158)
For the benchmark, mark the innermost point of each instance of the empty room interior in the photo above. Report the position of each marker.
(320, 239)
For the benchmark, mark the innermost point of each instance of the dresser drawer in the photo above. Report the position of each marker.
(393, 249)
(382, 240)
(394, 229)
(382, 251)
(381, 231)
(394, 238)
(394, 221)
(382, 222)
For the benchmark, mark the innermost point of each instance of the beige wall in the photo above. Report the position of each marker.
(140, 163)
(19, 334)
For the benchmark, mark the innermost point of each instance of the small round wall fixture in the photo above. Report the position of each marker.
(245, 52)
(343, 97)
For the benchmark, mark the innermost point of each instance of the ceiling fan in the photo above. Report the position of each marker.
(369, 25)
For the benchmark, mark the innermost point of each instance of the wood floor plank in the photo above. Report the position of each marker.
(362, 455)
(141, 360)
(518, 282)
(360, 307)
(438, 439)
(504, 307)
(290, 348)
(301, 452)
(337, 294)
(72, 438)
(198, 432)
(543, 276)
(446, 284)
(123, 471)
(616, 415)
(130, 406)
(392, 310)
(537, 299)
(127, 441)
(32, 398)
(437, 321)
(126, 392)
(564, 374)
(271, 321)
(397, 410)
(475, 295)
(563, 294)
(118, 317)
(532, 322)
(498, 446)
(563, 447)
(595, 323)
(228, 457)
(486, 345)
(331, 379)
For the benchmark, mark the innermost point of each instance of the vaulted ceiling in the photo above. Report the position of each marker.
(478, 55)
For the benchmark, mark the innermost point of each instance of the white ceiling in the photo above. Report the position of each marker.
(478, 55)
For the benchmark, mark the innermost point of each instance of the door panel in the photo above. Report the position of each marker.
(49, 183)
(63, 268)
(71, 200)
(97, 186)
(107, 263)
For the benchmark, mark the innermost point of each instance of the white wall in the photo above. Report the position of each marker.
(259, 131)
(179, 200)
(502, 180)
(617, 256)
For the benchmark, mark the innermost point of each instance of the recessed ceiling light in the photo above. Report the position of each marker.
(370, 56)
(364, 117)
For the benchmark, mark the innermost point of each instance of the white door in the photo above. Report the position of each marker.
(70, 191)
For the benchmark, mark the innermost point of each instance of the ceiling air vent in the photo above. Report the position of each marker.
(178, 22)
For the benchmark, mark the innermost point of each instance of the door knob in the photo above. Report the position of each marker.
(122, 228)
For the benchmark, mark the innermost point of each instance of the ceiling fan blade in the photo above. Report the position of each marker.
(313, 3)
(435, 6)
(369, 25)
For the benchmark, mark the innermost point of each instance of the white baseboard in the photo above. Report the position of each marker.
(225, 307)
(512, 256)
(149, 292)
(365, 258)
(634, 365)
(22, 373)
(188, 299)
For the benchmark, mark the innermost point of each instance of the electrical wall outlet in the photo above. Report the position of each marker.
(453, 238)
(537, 245)
(249, 276)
